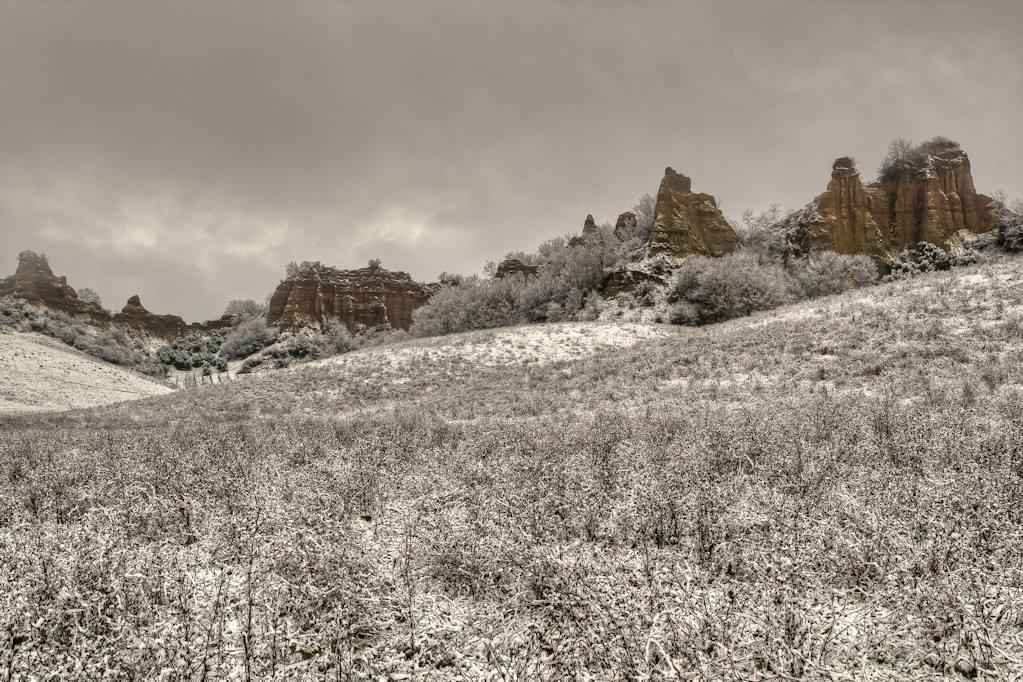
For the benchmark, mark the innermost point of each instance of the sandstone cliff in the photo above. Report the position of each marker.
(625, 225)
(366, 297)
(929, 196)
(688, 223)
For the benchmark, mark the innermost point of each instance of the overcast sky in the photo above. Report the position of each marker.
(186, 152)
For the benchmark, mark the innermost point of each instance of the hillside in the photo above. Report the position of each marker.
(41, 374)
(828, 490)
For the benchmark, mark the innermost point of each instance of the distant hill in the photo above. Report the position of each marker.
(40, 374)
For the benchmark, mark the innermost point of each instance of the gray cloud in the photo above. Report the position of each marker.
(185, 152)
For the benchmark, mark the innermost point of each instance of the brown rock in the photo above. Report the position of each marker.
(135, 316)
(625, 224)
(35, 283)
(590, 228)
(513, 266)
(367, 297)
(688, 223)
(931, 202)
(625, 280)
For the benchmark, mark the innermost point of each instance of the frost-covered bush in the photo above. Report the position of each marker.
(824, 273)
(247, 338)
(708, 290)
(474, 303)
(245, 309)
(87, 295)
(764, 232)
(337, 333)
(571, 274)
(927, 257)
(705, 290)
(194, 351)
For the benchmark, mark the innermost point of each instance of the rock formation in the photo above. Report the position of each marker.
(688, 223)
(135, 316)
(625, 225)
(367, 297)
(930, 198)
(513, 266)
(590, 228)
(35, 283)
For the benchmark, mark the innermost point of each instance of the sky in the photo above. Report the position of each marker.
(186, 152)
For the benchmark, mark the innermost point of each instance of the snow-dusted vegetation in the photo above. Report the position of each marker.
(829, 490)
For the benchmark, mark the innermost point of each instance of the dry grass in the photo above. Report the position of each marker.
(831, 490)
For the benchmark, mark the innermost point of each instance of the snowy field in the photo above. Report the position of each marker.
(830, 490)
(39, 373)
(536, 345)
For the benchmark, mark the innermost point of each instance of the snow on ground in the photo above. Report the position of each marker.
(539, 344)
(38, 373)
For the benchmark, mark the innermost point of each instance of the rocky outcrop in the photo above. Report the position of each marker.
(513, 266)
(688, 223)
(625, 225)
(929, 197)
(628, 279)
(35, 283)
(590, 228)
(367, 297)
(135, 316)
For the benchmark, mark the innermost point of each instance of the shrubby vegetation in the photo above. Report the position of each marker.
(117, 346)
(304, 345)
(195, 351)
(247, 338)
(927, 257)
(87, 295)
(245, 309)
(907, 159)
(706, 290)
(569, 278)
(567, 283)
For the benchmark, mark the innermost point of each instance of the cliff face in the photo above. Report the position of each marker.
(625, 224)
(688, 223)
(931, 198)
(365, 297)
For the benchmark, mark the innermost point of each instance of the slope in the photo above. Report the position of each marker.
(38, 373)
(830, 490)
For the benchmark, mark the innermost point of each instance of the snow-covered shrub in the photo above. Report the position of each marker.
(87, 295)
(708, 290)
(763, 233)
(823, 273)
(338, 334)
(247, 338)
(194, 351)
(572, 272)
(927, 257)
(245, 309)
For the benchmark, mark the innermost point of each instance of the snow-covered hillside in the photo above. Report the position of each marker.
(38, 373)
